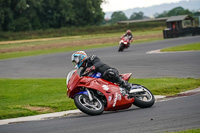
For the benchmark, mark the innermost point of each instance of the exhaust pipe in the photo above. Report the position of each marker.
(137, 90)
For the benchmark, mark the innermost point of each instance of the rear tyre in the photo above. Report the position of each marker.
(144, 99)
(94, 107)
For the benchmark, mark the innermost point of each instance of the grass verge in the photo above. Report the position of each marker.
(26, 97)
(187, 47)
(187, 131)
(49, 51)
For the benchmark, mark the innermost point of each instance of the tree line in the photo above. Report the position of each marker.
(120, 15)
(24, 15)
(28, 15)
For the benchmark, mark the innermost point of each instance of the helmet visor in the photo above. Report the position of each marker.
(75, 59)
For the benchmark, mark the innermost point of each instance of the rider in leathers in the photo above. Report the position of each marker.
(129, 35)
(94, 64)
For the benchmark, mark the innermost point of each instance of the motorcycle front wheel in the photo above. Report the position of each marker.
(94, 107)
(121, 47)
(144, 99)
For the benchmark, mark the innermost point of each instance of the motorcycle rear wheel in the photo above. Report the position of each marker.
(94, 107)
(146, 99)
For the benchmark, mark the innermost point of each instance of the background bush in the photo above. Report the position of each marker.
(87, 30)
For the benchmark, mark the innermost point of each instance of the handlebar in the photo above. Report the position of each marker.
(87, 74)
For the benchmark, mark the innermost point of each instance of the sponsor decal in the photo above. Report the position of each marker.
(105, 87)
(98, 74)
(93, 56)
(109, 98)
(117, 98)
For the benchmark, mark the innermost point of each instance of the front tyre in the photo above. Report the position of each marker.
(121, 47)
(144, 99)
(94, 107)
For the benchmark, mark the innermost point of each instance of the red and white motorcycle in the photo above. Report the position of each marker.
(93, 95)
(123, 43)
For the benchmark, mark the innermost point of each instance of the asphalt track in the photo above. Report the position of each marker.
(173, 115)
(134, 59)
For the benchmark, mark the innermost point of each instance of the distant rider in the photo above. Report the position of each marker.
(129, 35)
(94, 64)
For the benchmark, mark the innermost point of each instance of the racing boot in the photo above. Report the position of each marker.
(125, 84)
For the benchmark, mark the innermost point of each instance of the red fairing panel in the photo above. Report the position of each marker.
(72, 84)
(115, 100)
(126, 76)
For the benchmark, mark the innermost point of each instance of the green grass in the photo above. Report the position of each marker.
(187, 131)
(46, 41)
(187, 47)
(62, 40)
(17, 94)
(49, 51)
(168, 86)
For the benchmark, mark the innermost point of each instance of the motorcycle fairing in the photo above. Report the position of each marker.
(126, 76)
(125, 41)
(111, 91)
(76, 83)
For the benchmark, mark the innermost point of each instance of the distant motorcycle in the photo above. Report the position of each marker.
(93, 95)
(124, 43)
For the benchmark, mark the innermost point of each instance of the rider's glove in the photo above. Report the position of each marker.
(90, 69)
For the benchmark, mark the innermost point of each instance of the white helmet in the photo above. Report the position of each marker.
(78, 58)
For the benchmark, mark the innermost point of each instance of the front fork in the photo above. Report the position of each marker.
(86, 92)
(89, 94)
